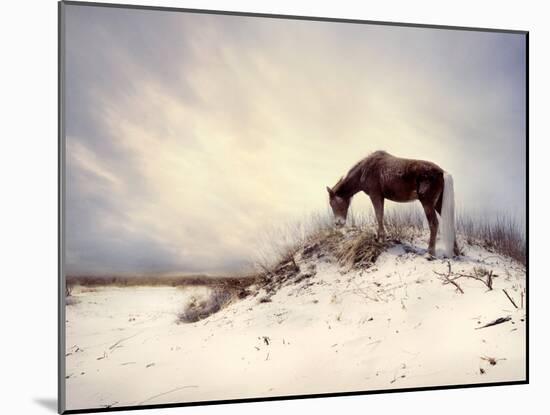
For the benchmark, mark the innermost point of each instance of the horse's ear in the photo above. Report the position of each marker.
(330, 192)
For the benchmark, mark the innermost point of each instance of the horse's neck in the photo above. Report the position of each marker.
(350, 185)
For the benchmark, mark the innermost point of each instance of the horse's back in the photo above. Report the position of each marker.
(405, 166)
(425, 168)
(399, 178)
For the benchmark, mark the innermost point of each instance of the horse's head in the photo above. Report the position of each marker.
(339, 207)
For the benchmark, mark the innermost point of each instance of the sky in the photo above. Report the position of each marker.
(189, 135)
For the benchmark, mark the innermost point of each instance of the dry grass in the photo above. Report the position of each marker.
(502, 235)
(357, 245)
(401, 225)
(404, 225)
(279, 243)
(361, 250)
(351, 247)
(199, 309)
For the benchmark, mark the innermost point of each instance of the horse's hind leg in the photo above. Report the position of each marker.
(429, 192)
(429, 210)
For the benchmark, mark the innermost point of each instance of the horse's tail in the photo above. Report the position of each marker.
(448, 215)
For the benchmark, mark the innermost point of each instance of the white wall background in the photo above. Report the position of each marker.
(28, 227)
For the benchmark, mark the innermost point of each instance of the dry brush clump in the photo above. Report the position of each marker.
(360, 250)
(351, 247)
(198, 309)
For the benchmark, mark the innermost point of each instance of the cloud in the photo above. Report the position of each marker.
(189, 134)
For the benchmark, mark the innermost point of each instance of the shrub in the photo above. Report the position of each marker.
(197, 309)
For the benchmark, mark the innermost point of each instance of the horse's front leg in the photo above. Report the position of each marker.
(378, 204)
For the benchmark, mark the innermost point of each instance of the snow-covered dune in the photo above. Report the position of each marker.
(322, 328)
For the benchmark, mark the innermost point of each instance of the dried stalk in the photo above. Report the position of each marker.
(510, 298)
(488, 282)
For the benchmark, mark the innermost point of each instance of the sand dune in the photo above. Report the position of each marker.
(397, 324)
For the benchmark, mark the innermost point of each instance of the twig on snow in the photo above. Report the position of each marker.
(510, 298)
(499, 320)
(448, 279)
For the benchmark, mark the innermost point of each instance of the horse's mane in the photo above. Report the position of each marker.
(359, 171)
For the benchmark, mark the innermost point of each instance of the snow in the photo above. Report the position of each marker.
(394, 325)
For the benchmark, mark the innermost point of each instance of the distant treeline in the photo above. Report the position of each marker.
(172, 281)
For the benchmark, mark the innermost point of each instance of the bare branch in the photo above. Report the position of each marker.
(447, 278)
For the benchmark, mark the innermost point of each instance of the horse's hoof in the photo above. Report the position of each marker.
(429, 256)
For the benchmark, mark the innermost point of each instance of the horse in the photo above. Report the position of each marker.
(383, 176)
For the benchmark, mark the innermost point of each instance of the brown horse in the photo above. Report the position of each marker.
(383, 176)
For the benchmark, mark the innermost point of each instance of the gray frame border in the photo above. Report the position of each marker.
(61, 369)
